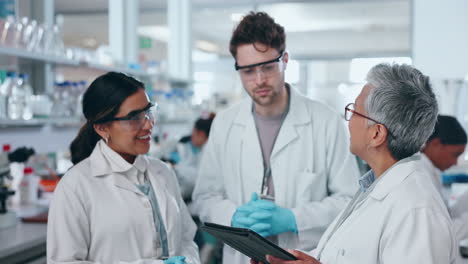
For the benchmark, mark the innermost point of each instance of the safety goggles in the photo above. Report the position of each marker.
(135, 120)
(267, 69)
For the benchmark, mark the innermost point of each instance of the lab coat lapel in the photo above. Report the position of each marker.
(123, 183)
(250, 154)
(100, 167)
(297, 115)
(158, 184)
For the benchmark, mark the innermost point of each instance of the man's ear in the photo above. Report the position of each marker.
(102, 130)
(285, 59)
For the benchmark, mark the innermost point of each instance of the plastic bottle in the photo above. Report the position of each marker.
(9, 32)
(16, 100)
(29, 187)
(59, 107)
(28, 95)
(5, 91)
(4, 162)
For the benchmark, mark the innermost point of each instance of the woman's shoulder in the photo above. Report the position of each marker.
(77, 173)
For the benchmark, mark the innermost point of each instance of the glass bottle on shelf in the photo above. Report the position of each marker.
(37, 34)
(5, 91)
(58, 46)
(8, 34)
(67, 98)
(16, 100)
(19, 28)
(58, 107)
(45, 45)
(28, 95)
(29, 28)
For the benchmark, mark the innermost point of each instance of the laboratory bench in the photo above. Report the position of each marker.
(23, 243)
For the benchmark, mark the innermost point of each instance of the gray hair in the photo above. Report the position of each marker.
(402, 99)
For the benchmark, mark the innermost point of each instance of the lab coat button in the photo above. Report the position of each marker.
(342, 252)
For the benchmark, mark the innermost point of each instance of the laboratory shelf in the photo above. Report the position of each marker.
(56, 122)
(25, 54)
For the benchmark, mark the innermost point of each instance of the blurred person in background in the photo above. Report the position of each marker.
(116, 205)
(186, 155)
(397, 215)
(442, 150)
(277, 147)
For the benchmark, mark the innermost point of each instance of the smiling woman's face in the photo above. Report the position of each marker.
(130, 143)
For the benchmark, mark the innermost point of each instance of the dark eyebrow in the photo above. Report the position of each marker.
(136, 112)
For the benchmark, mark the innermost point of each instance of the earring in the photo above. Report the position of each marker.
(106, 139)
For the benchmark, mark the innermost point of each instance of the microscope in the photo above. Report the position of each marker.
(7, 219)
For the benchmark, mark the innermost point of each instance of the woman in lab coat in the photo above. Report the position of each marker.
(397, 216)
(116, 205)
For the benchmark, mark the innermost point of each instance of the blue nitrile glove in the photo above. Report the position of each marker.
(241, 216)
(175, 260)
(272, 219)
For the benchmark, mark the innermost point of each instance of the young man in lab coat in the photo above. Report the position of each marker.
(277, 145)
(442, 150)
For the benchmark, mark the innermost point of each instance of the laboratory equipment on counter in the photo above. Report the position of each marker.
(7, 219)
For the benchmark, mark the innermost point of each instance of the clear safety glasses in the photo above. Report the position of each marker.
(267, 69)
(136, 120)
(349, 111)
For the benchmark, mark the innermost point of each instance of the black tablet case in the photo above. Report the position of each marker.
(247, 242)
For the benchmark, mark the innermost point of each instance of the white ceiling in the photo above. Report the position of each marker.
(315, 29)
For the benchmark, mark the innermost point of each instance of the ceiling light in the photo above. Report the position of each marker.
(206, 46)
(160, 33)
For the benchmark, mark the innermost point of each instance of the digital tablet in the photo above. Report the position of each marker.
(247, 242)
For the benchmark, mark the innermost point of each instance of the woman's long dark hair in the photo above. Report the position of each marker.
(101, 101)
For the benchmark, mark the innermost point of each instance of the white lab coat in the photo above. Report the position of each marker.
(459, 210)
(402, 220)
(434, 174)
(99, 216)
(313, 171)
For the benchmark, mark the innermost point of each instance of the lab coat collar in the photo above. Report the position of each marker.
(104, 161)
(297, 115)
(394, 176)
(427, 163)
